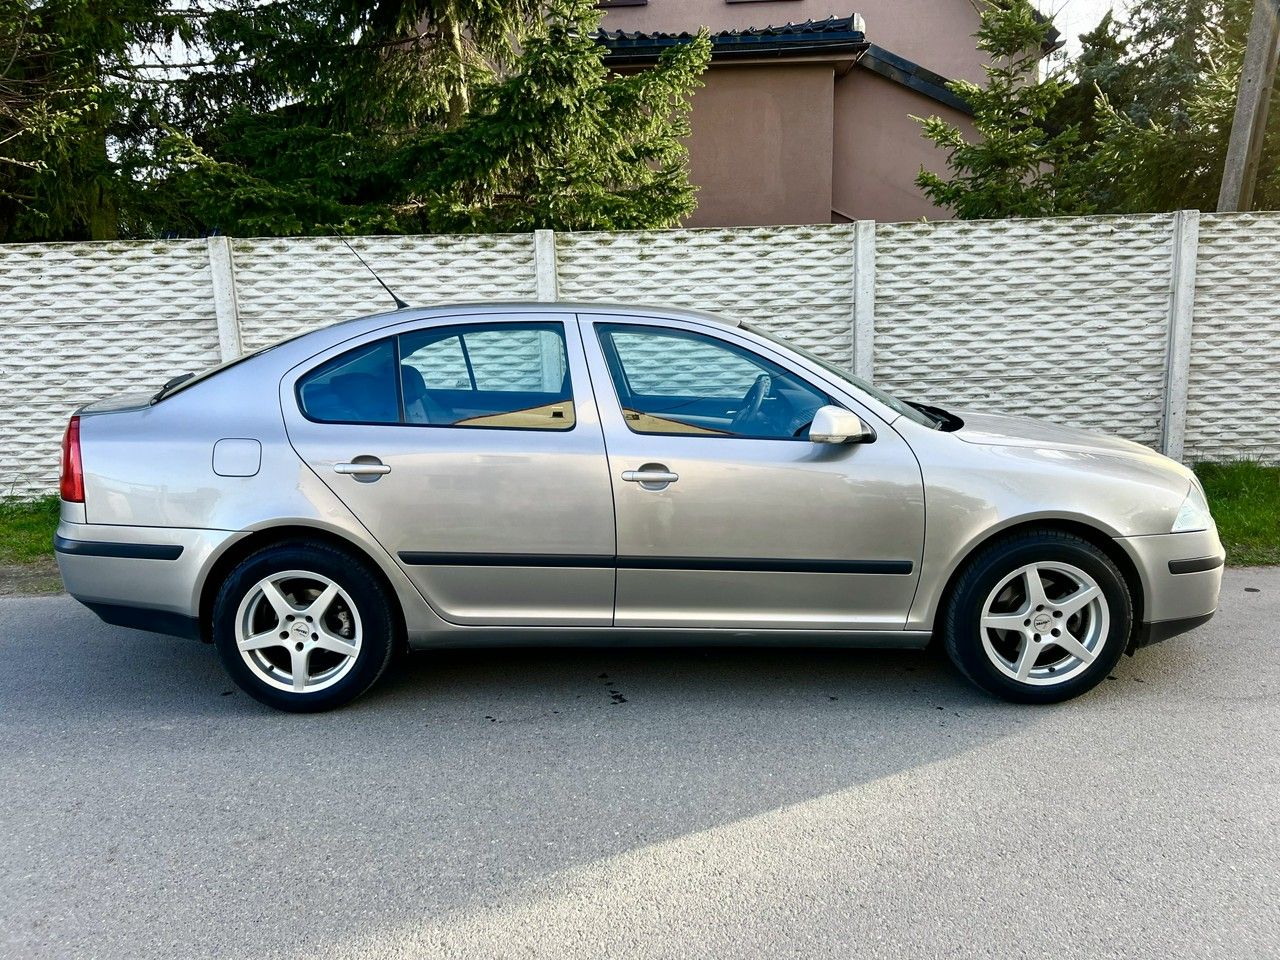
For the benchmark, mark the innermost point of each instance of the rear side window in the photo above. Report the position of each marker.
(508, 375)
(356, 387)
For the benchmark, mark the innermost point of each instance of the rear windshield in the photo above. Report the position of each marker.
(227, 364)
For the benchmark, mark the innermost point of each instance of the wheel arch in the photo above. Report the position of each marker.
(1085, 531)
(258, 539)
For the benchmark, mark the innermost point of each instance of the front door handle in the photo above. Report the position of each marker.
(652, 476)
(364, 469)
(649, 476)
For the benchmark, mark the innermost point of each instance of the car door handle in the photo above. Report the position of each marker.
(650, 476)
(362, 469)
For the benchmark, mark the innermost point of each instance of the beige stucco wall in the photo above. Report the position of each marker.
(937, 34)
(878, 150)
(761, 146)
(775, 143)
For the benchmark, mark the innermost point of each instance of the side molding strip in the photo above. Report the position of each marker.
(418, 558)
(748, 564)
(127, 551)
(1195, 565)
(765, 565)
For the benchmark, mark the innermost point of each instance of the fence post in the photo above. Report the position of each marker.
(226, 307)
(544, 265)
(1182, 292)
(547, 290)
(864, 299)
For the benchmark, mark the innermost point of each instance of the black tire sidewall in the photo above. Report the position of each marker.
(353, 576)
(962, 632)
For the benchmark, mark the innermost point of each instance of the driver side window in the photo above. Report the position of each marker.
(676, 382)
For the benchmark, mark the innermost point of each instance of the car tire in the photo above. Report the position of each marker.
(304, 627)
(1038, 647)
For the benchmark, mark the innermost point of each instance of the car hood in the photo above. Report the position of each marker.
(996, 430)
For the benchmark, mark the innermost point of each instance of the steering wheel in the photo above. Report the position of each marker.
(752, 402)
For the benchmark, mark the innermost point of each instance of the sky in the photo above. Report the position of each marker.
(1074, 17)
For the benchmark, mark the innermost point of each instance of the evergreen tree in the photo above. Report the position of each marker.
(67, 100)
(553, 140)
(39, 101)
(1154, 98)
(561, 143)
(1100, 63)
(1016, 166)
(453, 42)
(316, 116)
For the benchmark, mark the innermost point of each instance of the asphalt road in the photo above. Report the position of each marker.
(593, 804)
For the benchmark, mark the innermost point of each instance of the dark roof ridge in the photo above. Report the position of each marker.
(853, 23)
(913, 76)
(840, 36)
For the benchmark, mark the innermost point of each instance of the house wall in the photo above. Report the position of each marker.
(877, 149)
(937, 34)
(760, 151)
(778, 143)
(1160, 328)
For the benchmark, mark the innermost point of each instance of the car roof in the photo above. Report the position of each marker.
(305, 347)
(550, 306)
(309, 343)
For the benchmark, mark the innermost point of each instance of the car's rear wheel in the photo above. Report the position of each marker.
(303, 627)
(1038, 617)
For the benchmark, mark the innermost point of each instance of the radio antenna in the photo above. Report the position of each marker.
(400, 304)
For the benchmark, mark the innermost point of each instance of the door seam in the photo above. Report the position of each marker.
(604, 440)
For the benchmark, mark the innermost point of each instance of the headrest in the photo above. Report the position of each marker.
(411, 380)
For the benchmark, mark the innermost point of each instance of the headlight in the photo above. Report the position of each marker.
(1193, 514)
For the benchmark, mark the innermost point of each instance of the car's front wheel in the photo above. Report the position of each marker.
(303, 627)
(1038, 617)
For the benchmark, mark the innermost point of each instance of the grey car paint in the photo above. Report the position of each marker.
(456, 491)
(741, 498)
(916, 495)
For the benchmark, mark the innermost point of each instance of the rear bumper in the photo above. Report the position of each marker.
(1149, 633)
(1181, 576)
(148, 578)
(144, 618)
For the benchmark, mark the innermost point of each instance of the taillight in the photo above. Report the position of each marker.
(72, 471)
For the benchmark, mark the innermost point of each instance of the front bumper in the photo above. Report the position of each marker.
(1181, 576)
(144, 577)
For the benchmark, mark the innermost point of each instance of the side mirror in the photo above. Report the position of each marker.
(837, 425)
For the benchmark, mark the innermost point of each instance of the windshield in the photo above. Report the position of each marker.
(888, 399)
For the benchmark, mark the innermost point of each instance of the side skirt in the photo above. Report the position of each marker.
(470, 637)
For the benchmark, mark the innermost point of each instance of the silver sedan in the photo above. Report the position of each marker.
(585, 473)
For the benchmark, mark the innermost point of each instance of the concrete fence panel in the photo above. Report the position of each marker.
(287, 287)
(1066, 319)
(794, 281)
(84, 320)
(1233, 397)
(1162, 328)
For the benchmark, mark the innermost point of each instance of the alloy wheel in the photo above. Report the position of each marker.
(1044, 623)
(298, 631)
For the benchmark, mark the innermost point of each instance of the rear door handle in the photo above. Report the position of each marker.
(652, 476)
(649, 476)
(363, 467)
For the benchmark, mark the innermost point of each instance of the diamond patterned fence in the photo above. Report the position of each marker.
(1077, 320)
